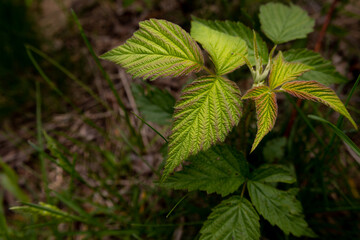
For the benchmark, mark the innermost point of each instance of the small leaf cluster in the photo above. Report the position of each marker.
(223, 170)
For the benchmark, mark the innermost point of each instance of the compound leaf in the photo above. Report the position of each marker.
(272, 173)
(154, 104)
(158, 48)
(233, 218)
(323, 71)
(266, 113)
(237, 29)
(219, 169)
(280, 208)
(226, 51)
(312, 90)
(282, 71)
(207, 110)
(283, 23)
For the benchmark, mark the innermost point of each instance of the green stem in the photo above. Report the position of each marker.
(243, 190)
(208, 70)
(107, 78)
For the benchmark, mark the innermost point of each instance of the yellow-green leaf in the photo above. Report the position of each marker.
(226, 51)
(206, 112)
(282, 72)
(158, 48)
(312, 90)
(238, 29)
(256, 92)
(266, 113)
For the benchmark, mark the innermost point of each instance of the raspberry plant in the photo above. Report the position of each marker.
(211, 106)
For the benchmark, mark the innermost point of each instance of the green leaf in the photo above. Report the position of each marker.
(219, 169)
(340, 134)
(226, 51)
(266, 113)
(207, 110)
(155, 105)
(158, 48)
(322, 71)
(282, 71)
(274, 149)
(237, 29)
(272, 173)
(280, 208)
(312, 90)
(256, 92)
(283, 23)
(233, 218)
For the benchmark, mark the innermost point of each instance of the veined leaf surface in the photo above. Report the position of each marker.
(238, 29)
(280, 208)
(158, 48)
(283, 23)
(207, 110)
(219, 169)
(272, 173)
(282, 71)
(256, 92)
(322, 70)
(312, 90)
(226, 51)
(266, 113)
(233, 218)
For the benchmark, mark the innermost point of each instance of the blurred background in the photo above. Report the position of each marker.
(71, 141)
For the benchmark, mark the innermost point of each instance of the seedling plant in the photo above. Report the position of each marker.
(211, 105)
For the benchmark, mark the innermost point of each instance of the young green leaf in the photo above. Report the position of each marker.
(158, 48)
(280, 208)
(207, 110)
(283, 23)
(233, 218)
(226, 51)
(256, 92)
(219, 169)
(272, 173)
(266, 113)
(237, 29)
(282, 71)
(322, 70)
(155, 105)
(312, 90)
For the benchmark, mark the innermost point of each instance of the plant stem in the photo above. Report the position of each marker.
(243, 190)
(208, 70)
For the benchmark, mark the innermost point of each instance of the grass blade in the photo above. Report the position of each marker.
(302, 115)
(69, 75)
(106, 76)
(142, 120)
(39, 137)
(340, 134)
(4, 230)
